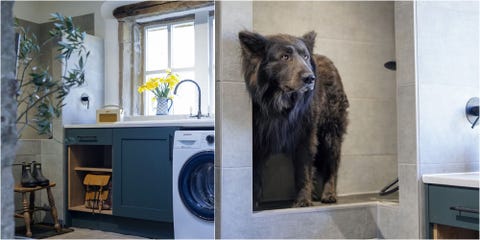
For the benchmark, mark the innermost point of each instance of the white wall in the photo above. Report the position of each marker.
(448, 76)
(448, 66)
(106, 27)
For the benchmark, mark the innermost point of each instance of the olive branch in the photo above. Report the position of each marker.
(38, 93)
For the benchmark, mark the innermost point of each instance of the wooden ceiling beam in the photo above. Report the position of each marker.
(157, 7)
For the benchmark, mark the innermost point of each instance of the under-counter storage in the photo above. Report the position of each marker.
(88, 151)
(143, 173)
(451, 212)
(139, 161)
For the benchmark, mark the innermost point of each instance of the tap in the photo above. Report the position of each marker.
(199, 114)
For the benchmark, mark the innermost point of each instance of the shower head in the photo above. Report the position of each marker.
(391, 65)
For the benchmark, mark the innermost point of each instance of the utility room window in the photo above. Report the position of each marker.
(171, 46)
(185, 47)
(158, 36)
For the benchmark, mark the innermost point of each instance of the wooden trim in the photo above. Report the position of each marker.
(157, 7)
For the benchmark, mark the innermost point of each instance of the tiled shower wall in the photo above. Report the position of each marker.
(359, 38)
(234, 216)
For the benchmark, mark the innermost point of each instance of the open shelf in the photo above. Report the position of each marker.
(82, 160)
(92, 169)
(82, 208)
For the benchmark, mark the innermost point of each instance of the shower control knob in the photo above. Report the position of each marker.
(210, 139)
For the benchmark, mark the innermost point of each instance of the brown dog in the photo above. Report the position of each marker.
(299, 109)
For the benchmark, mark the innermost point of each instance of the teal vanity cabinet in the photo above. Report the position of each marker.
(451, 211)
(139, 159)
(142, 163)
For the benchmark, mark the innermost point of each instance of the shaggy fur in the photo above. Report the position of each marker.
(299, 109)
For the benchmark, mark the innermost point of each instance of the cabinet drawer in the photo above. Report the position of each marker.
(88, 136)
(454, 206)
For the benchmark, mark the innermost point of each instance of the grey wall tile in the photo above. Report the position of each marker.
(53, 169)
(409, 181)
(28, 147)
(405, 42)
(372, 128)
(361, 67)
(235, 125)
(333, 20)
(235, 202)
(355, 175)
(231, 18)
(407, 124)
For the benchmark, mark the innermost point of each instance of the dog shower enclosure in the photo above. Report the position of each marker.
(359, 51)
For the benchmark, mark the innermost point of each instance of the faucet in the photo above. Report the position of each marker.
(199, 114)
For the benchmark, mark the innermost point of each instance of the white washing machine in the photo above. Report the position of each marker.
(193, 184)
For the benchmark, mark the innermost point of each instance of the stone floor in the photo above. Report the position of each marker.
(83, 233)
(341, 200)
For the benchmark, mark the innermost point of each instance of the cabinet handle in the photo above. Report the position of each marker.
(464, 209)
(170, 147)
(87, 138)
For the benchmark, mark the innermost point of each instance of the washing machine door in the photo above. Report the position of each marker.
(196, 185)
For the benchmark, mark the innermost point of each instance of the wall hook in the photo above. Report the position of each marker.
(471, 111)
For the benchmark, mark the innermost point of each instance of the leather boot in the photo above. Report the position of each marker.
(27, 179)
(37, 174)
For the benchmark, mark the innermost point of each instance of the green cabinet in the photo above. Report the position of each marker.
(451, 206)
(142, 173)
(140, 162)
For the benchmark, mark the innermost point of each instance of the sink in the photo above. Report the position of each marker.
(156, 118)
(166, 120)
(465, 179)
(153, 121)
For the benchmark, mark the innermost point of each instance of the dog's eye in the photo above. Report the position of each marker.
(285, 57)
(306, 57)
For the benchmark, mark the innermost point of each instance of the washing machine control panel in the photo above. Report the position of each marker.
(210, 139)
(194, 139)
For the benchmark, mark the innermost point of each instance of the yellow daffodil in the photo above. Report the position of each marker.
(161, 86)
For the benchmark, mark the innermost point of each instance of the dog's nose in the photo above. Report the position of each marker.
(309, 78)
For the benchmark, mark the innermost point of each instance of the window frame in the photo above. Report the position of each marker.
(169, 23)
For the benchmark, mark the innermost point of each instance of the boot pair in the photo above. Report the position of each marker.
(33, 178)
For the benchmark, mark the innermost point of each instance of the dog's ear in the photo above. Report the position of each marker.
(309, 40)
(252, 43)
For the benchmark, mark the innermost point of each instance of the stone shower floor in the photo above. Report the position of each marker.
(341, 200)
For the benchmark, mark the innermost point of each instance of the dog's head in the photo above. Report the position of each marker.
(278, 64)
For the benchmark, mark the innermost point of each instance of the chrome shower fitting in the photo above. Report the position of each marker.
(471, 111)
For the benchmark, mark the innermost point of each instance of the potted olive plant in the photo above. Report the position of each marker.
(39, 94)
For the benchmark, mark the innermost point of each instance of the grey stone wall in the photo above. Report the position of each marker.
(8, 113)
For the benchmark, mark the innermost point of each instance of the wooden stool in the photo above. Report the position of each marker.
(29, 205)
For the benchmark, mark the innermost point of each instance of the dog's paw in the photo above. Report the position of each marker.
(329, 199)
(302, 203)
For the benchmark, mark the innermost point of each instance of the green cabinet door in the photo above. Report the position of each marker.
(142, 173)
